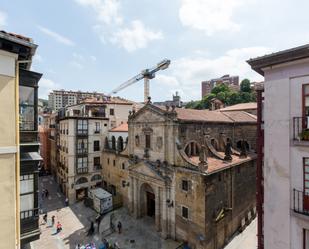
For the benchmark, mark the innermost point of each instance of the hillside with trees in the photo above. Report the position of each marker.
(226, 95)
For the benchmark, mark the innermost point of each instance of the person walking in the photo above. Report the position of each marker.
(91, 229)
(46, 193)
(53, 220)
(45, 218)
(59, 227)
(119, 226)
(66, 201)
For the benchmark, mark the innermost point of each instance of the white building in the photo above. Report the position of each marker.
(61, 98)
(285, 223)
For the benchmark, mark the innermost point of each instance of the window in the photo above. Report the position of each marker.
(108, 161)
(185, 185)
(148, 142)
(82, 126)
(123, 166)
(97, 127)
(26, 195)
(111, 112)
(96, 161)
(113, 189)
(306, 100)
(114, 162)
(82, 165)
(184, 212)
(26, 108)
(96, 145)
(306, 238)
(82, 146)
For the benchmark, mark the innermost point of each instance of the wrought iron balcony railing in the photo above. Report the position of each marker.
(82, 170)
(29, 213)
(97, 167)
(300, 202)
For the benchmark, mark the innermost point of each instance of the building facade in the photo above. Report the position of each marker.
(61, 98)
(19, 145)
(182, 168)
(231, 81)
(79, 134)
(283, 178)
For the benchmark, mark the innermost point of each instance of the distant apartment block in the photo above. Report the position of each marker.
(231, 81)
(61, 98)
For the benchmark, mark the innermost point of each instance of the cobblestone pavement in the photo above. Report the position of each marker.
(75, 220)
(245, 240)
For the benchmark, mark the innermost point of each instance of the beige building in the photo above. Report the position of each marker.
(18, 178)
(81, 131)
(183, 169)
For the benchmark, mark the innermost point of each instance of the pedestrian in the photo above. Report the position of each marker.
(59, 227)
(119, 226)
(91, 229)
(53, 220)
(45, 218)
(46, 193)
(66, 201)
(43, 193)
(98, 221)
(77, 246)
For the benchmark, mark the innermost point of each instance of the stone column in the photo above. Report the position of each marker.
(158, 213)
(164, 213)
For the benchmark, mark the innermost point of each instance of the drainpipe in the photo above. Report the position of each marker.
(17, 168)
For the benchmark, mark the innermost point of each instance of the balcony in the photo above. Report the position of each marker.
(82, 170)
(301, 131)
(97, 167)
(83, 151)
(300, 202)
(29, 225)
(97, 131)
(83, 132)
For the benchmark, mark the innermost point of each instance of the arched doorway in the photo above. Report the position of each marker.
(147, 201)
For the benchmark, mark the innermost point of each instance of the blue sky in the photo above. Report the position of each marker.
(96, 45)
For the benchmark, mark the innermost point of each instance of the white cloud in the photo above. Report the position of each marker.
(111, 27)
(93, 58)
(76, 65)
(107, 11)
(3, 18)
(186, 74)
(210, 15)
(46, 86)
(59, 38)
(135, 37)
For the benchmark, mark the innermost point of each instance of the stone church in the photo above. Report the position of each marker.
(192, 171)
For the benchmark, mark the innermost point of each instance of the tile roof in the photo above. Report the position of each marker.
(240, 116)
(121, 128)
(17, 36)
(240, 107)
(201, 115)
(112, 100)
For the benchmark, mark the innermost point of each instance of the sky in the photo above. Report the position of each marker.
(96, 45)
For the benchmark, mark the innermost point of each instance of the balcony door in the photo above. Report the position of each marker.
(306, 185)
(306, 106)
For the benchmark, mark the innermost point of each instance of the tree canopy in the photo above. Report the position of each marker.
(228, 96)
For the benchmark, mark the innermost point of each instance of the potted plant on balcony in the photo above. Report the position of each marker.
(304, 135)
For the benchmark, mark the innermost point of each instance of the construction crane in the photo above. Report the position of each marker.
(146, 74)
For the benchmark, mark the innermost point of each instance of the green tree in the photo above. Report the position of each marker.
(245, 86)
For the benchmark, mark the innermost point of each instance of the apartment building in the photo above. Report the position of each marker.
(283, 161)
(19, 156)
(61, 98)
(231, 81)
(81, 131)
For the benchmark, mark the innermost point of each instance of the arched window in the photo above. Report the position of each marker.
(192, 149)
(96, 178)
(120, 143)
(81, 180)
(113, 143)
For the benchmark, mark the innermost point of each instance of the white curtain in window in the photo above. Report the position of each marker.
(26, 186)
(26, 202)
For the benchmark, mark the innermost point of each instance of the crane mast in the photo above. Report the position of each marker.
(146, 74)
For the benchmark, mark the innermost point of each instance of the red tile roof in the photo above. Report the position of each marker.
(121, 128)
(240, 107)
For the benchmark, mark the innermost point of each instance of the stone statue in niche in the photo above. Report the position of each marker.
(159, 142)
(243, 151)
(228, 151)
(137, 142)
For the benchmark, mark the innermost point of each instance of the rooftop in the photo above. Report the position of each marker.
(240, 107)
(121, 128)
(258, 64)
